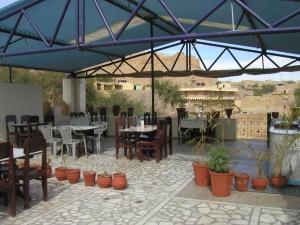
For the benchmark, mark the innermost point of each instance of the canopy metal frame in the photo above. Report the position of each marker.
(51, 44)
(188, 37)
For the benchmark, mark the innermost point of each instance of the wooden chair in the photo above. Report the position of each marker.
(33, 147)
(155, 145)
(150, 119)
(121, 139)
(11, 132)
(7, 180)
(168, 140)
(28, 131)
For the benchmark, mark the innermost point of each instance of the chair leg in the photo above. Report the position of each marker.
(13, 201)
(54, 148)
(130, 152)
(165, 150)
(45, 189)
(171, 147)
(85, 148)
(26, 192)
(158, 155)
(98, 145)
(74, 150)
(117, 151)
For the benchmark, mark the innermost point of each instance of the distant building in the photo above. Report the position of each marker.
(204, 94)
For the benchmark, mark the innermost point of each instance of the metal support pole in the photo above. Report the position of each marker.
(152, 71)
(10, 74)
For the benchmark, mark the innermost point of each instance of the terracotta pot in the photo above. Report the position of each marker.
(60, 173)
(201, 174)
(278, 182)
(260, 183)
(119, 181)
(49, 171)
(241, 181)
(73, 175)
(220, 183)
(275, 115)
(89, 178)
(228, 112)
(104, 180)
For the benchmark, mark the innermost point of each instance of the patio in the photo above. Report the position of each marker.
(157, 193)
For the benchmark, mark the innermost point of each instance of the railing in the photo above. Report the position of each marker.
(251, 126)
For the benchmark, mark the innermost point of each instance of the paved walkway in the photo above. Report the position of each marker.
(151, 198)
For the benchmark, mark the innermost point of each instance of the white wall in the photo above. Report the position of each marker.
(19, 99)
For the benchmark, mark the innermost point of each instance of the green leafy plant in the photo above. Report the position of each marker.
(260, 157)
(219, 159)
(286, 145)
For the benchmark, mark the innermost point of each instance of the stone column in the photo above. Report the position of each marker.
(74, 94)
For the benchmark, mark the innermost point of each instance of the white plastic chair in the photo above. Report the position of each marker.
(67, 140)
(101, 127)
(47, 132)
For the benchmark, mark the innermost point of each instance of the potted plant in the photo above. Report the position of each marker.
(89, 178)
(220, 176)
(280, 151)
(241, 181)
(119, 181)
(104, 180)
(260, 182)
(60, 172)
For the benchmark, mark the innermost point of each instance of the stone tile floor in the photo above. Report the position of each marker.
(151, 198)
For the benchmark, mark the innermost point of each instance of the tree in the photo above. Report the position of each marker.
(168, 92)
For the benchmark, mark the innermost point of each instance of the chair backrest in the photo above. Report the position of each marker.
(103, 114)
(66, 134)
(10, 119)
(131, 121)
(168, 122)
(34, 119)
(24, 118)
(101, 127)
(161, 131)
(34, 146)
(130, 112)
(150, 119)
(47, 132)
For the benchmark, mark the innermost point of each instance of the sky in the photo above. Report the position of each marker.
(226, 62)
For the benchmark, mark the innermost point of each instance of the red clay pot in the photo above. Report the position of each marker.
(60, 173)
(220, 183)
(73, 175)
(119, 181)
(278, 182)
(260, 183)
(104, 180)
(49, 171)
(89, 178)
(201, 174)
(241, 181)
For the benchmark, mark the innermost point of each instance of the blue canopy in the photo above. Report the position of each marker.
(84, 38)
